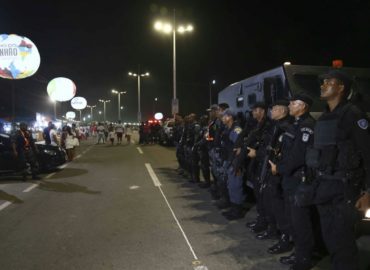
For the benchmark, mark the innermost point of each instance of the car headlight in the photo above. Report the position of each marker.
(50, 152)
(367, 214)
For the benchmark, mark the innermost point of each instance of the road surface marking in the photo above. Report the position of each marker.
(4, 205)
(78, 156)
(158, 184)
(153, 175)
(139, 149)
(31, 187)
(134, 187)
(63, 166)
(50, 175)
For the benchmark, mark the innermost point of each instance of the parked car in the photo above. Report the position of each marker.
(166, 133)
(49, 156)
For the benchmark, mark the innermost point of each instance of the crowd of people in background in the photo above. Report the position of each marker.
(310, 178)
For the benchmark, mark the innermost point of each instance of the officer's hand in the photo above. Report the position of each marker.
(252, 152)
(237, 151)
(273, 168)
(363, 204)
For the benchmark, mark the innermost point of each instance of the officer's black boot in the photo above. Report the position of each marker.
(260, 226)
(236, 212)
(301, 264)
(224, 201)
(288, 260)
(284, 245)
(251, 224)
(270, 233)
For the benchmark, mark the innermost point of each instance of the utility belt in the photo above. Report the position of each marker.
(349, 177)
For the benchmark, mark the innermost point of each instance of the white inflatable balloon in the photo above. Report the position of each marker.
(61, 89)
(19, 57)
(70, 115)
(158, 116)
(78, 103)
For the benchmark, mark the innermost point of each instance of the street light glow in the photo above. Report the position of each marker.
(181, 29)
(167, 28)
(190, 28)
(214, 82)
(158, 26)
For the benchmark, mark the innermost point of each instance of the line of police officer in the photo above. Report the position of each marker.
(311, 179)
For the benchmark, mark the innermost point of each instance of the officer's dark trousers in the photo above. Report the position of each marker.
(235, 186)
(27, 156)
(195, 170)
(302, 227)
(204, 163)
(337, 224)
(275, 206)
(260, 207)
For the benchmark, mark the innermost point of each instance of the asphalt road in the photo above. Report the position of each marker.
(122, 207)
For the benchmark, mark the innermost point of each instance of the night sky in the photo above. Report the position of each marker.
(97, 44)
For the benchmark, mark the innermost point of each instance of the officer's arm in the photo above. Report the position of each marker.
(362, 142)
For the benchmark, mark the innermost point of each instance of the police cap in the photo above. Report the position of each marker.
(228, 112)
(303, 97)
(213, 107)
(339, 75)
(280, 102)
(223, 106)
(259, 105)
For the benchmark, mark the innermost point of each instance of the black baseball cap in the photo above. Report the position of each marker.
(303, 97)
(259, 104)
(213, 107)
(280, 102)
(339, 75)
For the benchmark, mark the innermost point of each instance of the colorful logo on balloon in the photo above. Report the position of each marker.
(19, 57)
(61, 89)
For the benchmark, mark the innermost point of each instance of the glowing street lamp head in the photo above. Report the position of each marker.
(214, 82)
(189, 28)
(181, 29)
(130, 73)
(158, 26)
(167, 28)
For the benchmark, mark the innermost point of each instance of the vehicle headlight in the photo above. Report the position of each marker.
(367, 214)
(50, 152)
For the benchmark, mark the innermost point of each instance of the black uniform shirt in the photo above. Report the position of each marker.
(297, 138)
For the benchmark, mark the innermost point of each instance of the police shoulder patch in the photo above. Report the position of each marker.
(305, 137)
(307, 130)
(363, 123)
(237, 130)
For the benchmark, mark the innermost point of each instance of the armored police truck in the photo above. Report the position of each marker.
(284, 81)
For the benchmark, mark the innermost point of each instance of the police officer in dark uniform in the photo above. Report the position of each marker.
(272, 194)
(192, 155)
(220, 192)
(296, 140)
(234, 175)
(253, 143)
(342, 149)
(25, 151)
(202, 147)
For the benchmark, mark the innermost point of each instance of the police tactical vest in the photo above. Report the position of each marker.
(333, 151)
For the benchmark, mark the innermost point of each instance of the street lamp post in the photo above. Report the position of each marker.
(119, 101)
(167, 28)
(210, 92)
(154, 103)
(55, 107)
(104, 101)
(91, 111)
(138, 75)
